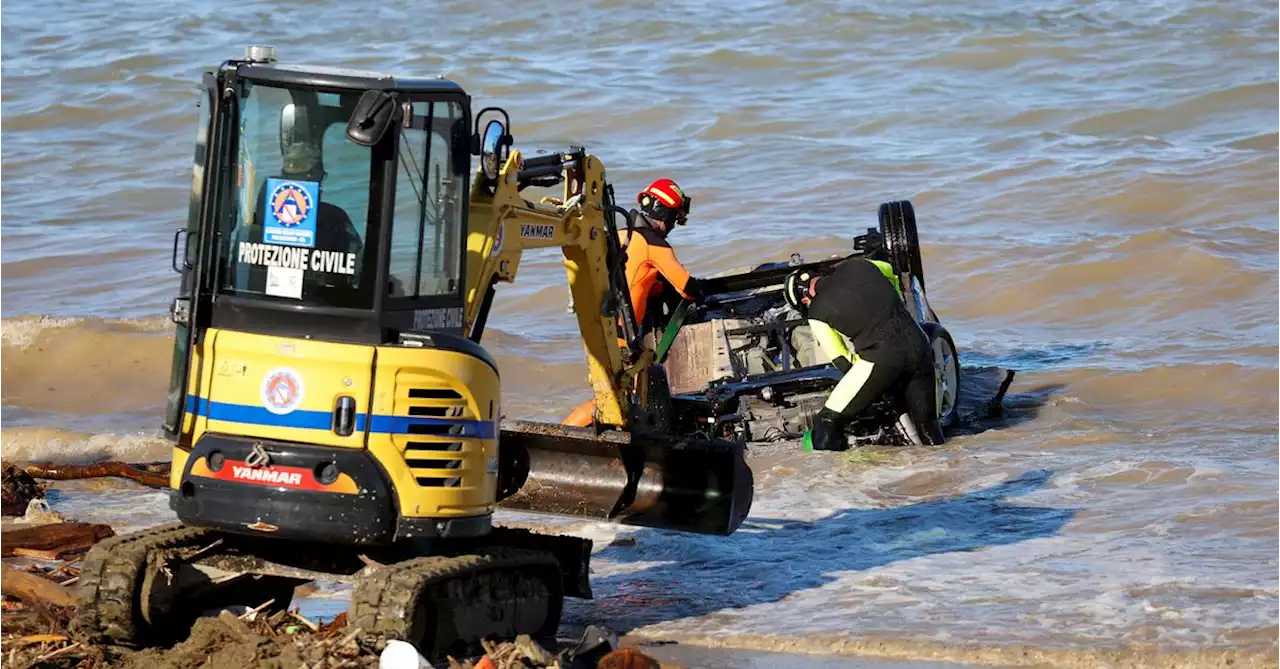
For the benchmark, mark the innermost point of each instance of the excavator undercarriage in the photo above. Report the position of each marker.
(332, 412)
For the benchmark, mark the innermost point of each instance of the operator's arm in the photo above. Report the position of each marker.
(832, 344)
(664, 258)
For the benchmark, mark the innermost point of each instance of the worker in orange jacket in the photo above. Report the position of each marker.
(663, 206)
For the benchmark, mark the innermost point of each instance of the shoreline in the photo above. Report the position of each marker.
(823, 651)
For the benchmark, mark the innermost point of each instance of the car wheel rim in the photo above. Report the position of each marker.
(947, 376)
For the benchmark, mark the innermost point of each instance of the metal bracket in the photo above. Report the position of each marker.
(259, 456)
(180, 311)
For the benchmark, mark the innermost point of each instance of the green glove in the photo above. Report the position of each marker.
(808, 441)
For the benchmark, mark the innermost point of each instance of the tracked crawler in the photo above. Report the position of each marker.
(333, 414)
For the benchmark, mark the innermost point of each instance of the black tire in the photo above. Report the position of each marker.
(940, 340)
(898, 226)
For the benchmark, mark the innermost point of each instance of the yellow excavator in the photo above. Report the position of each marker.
(333, 414)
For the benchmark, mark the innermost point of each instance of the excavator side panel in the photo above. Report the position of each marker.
(284, 388)
(341, 442)
(434, 431)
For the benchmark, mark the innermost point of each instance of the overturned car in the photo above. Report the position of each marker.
(745, 366)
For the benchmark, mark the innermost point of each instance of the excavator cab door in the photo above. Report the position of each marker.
(190, 308)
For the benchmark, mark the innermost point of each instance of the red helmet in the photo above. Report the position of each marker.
(664, 201)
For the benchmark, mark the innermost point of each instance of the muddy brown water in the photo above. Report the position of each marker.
(1097, 190)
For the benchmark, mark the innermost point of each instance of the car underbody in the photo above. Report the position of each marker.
(745, 366)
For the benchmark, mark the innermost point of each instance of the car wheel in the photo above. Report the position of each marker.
(946, 372)
(898, 226)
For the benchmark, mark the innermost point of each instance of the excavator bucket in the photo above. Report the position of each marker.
(667, 482)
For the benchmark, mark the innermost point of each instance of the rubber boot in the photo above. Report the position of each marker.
(827, 433)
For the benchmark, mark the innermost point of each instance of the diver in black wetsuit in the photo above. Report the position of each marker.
(861, 300)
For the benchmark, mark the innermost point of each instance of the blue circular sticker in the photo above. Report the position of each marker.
(282, 390)
(290, 204)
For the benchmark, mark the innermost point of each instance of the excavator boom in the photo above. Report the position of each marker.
(503, 225)
(622, 470)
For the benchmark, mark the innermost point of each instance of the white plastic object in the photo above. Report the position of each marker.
(401, 655)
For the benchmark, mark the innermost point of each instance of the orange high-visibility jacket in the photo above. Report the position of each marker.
(648, 257)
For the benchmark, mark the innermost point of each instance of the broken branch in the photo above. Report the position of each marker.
(31, 588)
(97, 470)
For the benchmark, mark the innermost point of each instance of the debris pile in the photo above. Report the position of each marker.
(39, 602)
(597, 649)
(19, 489)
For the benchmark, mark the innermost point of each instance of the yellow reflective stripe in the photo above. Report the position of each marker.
(831, 342)
(844, 392)
(887, 270)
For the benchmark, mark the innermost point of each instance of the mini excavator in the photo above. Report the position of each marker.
(333, 414)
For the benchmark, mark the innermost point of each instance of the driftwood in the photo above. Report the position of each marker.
(51, 542)
(148, 476)
(31, 588)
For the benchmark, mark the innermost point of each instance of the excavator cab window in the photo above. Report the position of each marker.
(427, 222)
(299, 229)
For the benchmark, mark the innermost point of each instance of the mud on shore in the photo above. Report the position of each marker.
(37, 636)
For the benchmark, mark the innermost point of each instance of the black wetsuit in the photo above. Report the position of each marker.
(891, 353)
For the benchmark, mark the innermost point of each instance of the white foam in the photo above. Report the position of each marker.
(54, 446)
(21, 332)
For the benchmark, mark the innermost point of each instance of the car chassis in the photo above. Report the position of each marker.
(744, 365)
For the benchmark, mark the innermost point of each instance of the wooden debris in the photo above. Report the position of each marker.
(52, 542)
(49, 656)
(33, 589)
(19, 488)
(237, 627)
(144, 475)
(310, 625)
(39, 638)
(35, 635)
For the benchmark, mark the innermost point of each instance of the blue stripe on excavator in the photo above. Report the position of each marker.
(323, 420)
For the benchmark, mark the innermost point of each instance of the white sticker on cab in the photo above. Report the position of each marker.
(284, 282)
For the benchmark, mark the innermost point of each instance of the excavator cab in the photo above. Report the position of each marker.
(332, 412)
(325, 208)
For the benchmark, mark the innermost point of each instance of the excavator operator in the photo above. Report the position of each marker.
(663, 206)
(891, 352)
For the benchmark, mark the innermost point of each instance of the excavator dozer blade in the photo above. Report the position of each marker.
(668, 482)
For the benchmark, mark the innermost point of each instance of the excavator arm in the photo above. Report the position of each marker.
(503, 224)
(626, 469)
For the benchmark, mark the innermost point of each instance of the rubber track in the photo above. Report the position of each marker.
(109, 579)
(384, 602)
